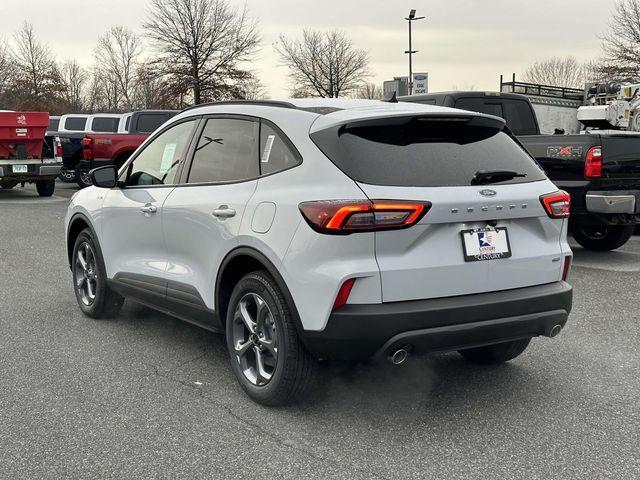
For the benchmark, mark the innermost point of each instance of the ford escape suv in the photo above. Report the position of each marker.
(329, 229)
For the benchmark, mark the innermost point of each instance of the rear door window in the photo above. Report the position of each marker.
(227, 151)
(425, 152)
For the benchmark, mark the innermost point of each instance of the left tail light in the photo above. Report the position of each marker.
(557, 204)
(593, 163)
(58, 144)
(342, 217)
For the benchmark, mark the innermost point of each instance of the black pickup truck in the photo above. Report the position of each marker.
(600, 169)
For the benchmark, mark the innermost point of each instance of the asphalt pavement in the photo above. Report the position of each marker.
(148, 396)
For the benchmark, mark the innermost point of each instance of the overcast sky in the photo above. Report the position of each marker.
(462, 43)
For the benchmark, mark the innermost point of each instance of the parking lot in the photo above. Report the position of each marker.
(149, 396)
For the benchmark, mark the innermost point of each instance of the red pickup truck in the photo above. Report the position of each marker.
(99, 149)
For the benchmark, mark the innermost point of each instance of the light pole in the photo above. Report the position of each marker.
(411, 18)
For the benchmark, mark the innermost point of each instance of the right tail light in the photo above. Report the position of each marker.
(557, 204)
(593, 163)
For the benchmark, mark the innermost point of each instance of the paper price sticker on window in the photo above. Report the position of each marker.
(167, 157)
(267, 149)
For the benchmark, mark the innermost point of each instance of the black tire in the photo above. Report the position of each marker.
(67, 176)
(493, 354)
(83, 179)
(294, 367)
(602, 238)
(106, 303)
(45, 187)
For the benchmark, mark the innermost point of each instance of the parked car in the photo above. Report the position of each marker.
(600, 169)
(25, 157)
(329, 229)
(116, 148)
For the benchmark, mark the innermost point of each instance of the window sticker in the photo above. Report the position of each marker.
(167, 157)
(267, 148)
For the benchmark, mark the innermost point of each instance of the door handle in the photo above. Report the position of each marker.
(223, 211)
(148, 209)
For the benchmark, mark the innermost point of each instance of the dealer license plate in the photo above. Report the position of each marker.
(20, 169)
(486, 244)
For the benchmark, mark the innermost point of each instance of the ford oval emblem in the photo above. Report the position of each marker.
(488, 193)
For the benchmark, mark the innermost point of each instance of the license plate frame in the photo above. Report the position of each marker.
(497, 246)
(20, 168)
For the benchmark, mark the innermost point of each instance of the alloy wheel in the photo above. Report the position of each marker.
(254, 339)
(86, 275)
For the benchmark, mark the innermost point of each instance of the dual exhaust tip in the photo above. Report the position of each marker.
(400, 355)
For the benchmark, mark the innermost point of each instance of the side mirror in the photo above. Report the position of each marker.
(104, 177)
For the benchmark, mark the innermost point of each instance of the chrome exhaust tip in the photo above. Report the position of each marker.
(555, 330)
(399, 356)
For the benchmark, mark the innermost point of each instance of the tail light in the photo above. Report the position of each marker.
(593, 163)
(342, 217)
(566, 268)
(343, 293)
(557, 205)
(58, 144)
(87, 148)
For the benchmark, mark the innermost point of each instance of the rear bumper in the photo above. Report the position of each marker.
(453, 323)
(613, 202)
(35, 169)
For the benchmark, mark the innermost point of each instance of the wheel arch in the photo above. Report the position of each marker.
(236, 264)
(77, 224)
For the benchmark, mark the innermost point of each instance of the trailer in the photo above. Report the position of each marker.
(25, 156)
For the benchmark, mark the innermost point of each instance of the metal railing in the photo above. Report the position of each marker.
(540, 90)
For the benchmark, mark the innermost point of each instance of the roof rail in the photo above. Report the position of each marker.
(264, 103)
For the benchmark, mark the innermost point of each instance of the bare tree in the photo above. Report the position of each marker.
(370, 91)
(253, 89)
(202, 44)
(155, 90)
(323, 62)
(117, 54)
(74, 78)
(621, 44)
(37, 81)
(556, 71)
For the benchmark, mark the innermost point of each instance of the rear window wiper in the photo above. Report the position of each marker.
(483, 177)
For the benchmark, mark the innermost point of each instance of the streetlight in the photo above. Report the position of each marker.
(411, 18)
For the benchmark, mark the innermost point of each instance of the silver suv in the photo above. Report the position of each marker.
(316, 229)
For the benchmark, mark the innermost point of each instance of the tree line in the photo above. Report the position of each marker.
(619, 61)
(195, 51)
(189, 52)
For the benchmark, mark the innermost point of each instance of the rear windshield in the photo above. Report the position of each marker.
(105, 124)
(53, 124)
(425, 153)
(517, 113)
(76, 124)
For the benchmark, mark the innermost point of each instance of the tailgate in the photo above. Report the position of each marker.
(621, 157)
